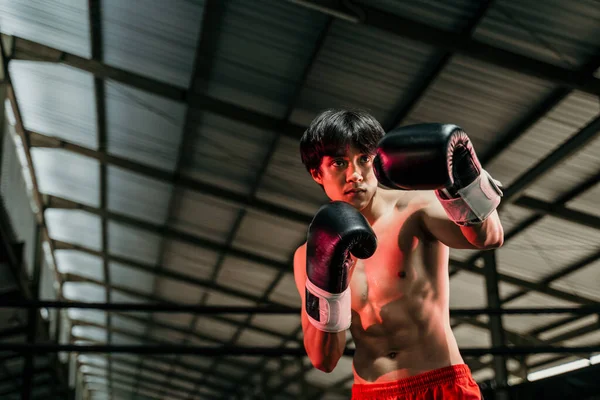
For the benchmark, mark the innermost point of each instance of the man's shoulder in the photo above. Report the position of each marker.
(413, 199)
(300, 252)
(299, 265)
(301, 247)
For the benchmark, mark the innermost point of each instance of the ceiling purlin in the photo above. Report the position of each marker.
(282, 126)
(212, 16)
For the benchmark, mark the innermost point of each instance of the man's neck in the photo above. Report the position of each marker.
(378, 206)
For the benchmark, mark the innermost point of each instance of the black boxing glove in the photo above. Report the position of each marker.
(438, 157)
(336, 231)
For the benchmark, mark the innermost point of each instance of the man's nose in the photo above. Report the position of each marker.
(354, 174)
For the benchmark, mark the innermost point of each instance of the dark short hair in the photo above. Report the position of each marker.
(333, 130)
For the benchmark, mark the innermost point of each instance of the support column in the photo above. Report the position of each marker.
(495, 321)
(32, 318)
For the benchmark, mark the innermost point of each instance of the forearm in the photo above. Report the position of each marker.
(487, 235)
(324, 349)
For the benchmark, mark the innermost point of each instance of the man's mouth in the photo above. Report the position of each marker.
(351, 191)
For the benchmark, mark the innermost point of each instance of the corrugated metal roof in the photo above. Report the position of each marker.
(583, 282)
(220, 331)
(64, 174)
(483, 99)
(286, 292)
(129, 278)
(262, 49)
(269, 236)
(63, 24)
(526, 323)
(472, 336)
(143, 127)
(56, 100)
(123, 238)
(226, 153)
(589, 339)
(245, 275)
(580, 167)
(587, 202)
(79, 263)
(74, 226)
(250, 338)
(568, 327)
(284, 324)
(451, 16)
(467, 290)
(152, 38)
(177, 291)
(545, 136)
(189, 259)
(564, 33)
(137, 196)
(361, 67)
(84, 292)
(202, 215)
(511, 217)
(120, 322)
(254, 57)
(546, 247)
(120, 297)
(176, 320)
(287, 182)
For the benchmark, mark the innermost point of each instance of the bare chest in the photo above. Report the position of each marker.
(379, 279)
(385, 276)
(399, 280)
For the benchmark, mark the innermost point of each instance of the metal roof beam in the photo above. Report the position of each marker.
(76, 278)
(258, 180)
(183, 182)
(96, 45)
(536, 113)
(37, 207)
(552, 160)
(27, 50)
(170, 233)
(438, 65)
(469, 266)
(457, 43)
(558, 211)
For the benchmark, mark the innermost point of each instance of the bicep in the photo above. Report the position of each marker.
(300, 270)
(300, 280)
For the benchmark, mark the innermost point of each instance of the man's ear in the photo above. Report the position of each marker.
(316, 175)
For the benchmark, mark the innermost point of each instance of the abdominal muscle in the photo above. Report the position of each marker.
(388, 353)
(400, 323)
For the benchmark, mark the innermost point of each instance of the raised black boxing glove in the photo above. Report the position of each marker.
(336, 231)
(438, 157)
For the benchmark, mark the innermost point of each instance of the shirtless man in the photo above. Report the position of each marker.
(376, 260)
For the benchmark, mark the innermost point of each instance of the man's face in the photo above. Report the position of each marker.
(348, 177)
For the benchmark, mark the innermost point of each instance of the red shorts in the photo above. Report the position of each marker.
(454, 382)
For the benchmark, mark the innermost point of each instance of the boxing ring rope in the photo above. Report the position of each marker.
(215, 351)
(213, 310)
(225, 350)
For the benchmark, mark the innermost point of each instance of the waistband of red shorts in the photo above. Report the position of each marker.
(454, 373)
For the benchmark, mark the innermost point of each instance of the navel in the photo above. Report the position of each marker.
(402, 274)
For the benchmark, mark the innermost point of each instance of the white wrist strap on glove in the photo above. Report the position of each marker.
(335, 311)
(475, 202)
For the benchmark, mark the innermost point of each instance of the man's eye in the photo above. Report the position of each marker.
(337, 163)
(365, 159)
